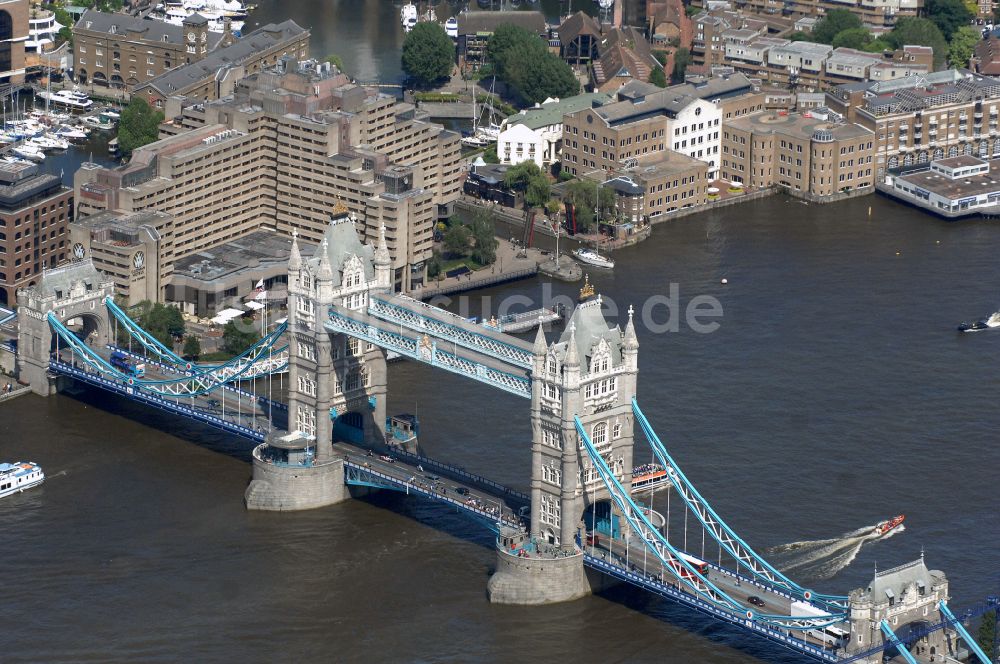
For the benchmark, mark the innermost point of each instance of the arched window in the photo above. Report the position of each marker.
(599, 434)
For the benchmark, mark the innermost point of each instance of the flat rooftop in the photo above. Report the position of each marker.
(245, 253)
(798, 125)
(960, 161)
(966, 187)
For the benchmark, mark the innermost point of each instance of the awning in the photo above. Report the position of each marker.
(255, 306)
(227, 315)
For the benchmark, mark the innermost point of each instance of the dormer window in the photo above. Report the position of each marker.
(113, 29)
(166, 38)
(89, 23)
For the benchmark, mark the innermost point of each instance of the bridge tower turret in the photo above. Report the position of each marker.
(337, 384)
(75, 293)
(589, 373)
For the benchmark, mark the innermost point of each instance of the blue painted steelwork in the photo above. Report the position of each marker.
(342, 323)
(356, 474)
(960, 628)
(653, 585)
(155, 400)
(148, 341)
(894, 640)
(431, 322)
(672, 560)
(195, 384)
(721, 532)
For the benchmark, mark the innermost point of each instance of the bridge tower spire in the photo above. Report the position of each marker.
(590, 373)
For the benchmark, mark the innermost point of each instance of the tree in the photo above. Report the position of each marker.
(428, 53)
(161, 321)
(878, 45)
(835, 22)
(987, 630)
(856, 38)
(139, 125)
(682, 58)
(192, 347)
(335, 60)
(523, 61)
(484, 237)
(921, 32)
(456, 240)
(583, 196)
(798, 35)
(963, 43)
(948, 15)
(238, 335)
(435, 265)
(490, 154)
(518, 176)
(658, 78)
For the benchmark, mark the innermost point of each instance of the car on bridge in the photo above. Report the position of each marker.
(386, 458)
(756, 601)
(461, 490)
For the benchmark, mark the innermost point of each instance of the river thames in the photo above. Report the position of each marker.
(836, 393)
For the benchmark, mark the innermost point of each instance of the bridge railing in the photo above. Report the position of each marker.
(456, 471)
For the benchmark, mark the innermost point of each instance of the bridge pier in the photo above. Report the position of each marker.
(531, 574)
(286, 477)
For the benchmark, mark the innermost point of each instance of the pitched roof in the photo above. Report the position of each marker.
(623, 52)
(589, 328)
(342, 242)
(122, 24)
(470, 23)
(261, 39)
(576, 25)
(551, 113)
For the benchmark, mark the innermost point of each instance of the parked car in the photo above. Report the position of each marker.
(461, 490)
(756, 601)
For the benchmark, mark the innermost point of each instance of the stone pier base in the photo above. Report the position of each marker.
(283, 488)
(537, 580)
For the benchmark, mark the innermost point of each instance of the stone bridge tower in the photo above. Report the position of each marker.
(336, 384)
(75, 293)
(589, 373)
(907, 598)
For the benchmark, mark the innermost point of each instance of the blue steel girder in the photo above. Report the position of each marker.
(410, 347)
(676, 564)
(725, 536)
(960, 628)
(894, 640)
(428, 319)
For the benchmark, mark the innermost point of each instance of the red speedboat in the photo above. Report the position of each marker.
(884, 527)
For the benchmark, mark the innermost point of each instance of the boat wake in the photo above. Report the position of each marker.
(823, 559)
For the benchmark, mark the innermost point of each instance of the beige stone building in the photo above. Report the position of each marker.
(290, 148)
(814, 153)
(921, 118)
(656, 187)
(121, 51)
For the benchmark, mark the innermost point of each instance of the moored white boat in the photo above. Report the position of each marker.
(591, 257)
(408, 16)
(49, 142)
(27, 151)
(451, 27)
(68, 98)
(18, 476)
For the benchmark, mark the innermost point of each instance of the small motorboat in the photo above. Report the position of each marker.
(887, 526)
(451, 27)
(26, 151)
(981, 324)
(591, 257)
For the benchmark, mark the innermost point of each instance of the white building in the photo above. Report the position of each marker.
(693, 126)
(535, 134)
(42, 30)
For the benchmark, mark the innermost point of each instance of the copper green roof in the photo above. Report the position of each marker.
(552, 113)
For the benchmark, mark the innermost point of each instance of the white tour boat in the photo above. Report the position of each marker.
(18, 476)
(591, 257)
(70, 99)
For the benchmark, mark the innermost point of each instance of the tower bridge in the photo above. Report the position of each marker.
(579, 527)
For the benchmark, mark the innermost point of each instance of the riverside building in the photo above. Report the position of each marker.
(923, 118)
(291, 147)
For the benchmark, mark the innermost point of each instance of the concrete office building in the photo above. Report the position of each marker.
(35, 210)
(13, 36)
(126, 248)
(290, 148)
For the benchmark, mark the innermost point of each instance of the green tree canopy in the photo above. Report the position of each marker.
(852, 38)
(920, 32)
(161, 321)
(835, 22)
(523, 61)
(490, 154)
(682, 58)
(798, 35)
(948, 15)
(963, 43)
(139, 125)
(192, 347)
(335, 60)
(428, 53)
(987, 630)
(484, 236)
(518, 176)
(238, 335)
(583, 196)
(878, 45)
(456, 239)
(658, 78)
